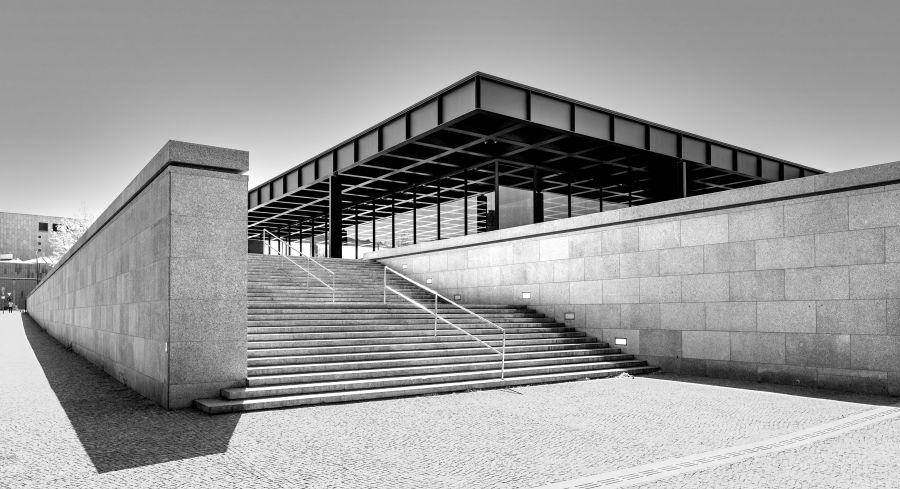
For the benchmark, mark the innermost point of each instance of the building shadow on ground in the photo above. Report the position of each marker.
(119, 428)
(790, 390)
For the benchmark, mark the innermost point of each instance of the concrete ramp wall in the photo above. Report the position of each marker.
(791, 282)
(155, 291)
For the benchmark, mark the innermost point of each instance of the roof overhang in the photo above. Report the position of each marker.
(456, 136)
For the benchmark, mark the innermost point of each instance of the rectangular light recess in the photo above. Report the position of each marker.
(526, 295)
(570, 315)
(404, 266)
(427, 280)
(457, 297)
(621, 341)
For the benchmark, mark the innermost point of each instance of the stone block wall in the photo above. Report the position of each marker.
(155, 292)
(792, 282)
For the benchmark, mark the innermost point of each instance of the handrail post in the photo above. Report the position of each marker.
(384, 288)
(503, 358)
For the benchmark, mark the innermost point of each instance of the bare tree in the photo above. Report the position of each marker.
(68, 232)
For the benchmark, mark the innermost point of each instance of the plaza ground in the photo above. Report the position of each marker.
(65, 423)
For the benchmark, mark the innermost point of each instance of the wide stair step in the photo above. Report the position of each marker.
(308, 344)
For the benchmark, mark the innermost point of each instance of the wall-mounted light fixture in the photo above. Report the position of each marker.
(403, 266)
(570, 316)
(427, 280)
(457, 297)
(622, 341)
(526, 295)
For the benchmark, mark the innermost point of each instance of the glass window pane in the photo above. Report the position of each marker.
(481, 212)
(516, 196)
(452, 207)
(556, 206)
(403, 230)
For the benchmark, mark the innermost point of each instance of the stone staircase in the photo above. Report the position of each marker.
(304, 349)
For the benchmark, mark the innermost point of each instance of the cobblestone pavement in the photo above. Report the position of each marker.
(65, 423)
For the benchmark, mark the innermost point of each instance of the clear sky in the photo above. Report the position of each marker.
(90, 90)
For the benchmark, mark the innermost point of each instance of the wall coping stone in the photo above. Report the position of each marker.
(173, 153)
(857, 178)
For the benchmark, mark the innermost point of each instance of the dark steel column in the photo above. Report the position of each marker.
(465, 202)
(373, 226)
(414, 215)
(335, 206)
(393, 222)
(437, 216)
(537, 198)
(496, 223)
(356, 232)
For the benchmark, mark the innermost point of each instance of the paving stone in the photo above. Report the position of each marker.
(56, 436)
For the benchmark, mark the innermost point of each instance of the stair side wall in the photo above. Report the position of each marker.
(791, 282)
(155, 292)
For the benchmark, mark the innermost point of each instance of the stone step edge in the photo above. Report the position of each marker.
(489, 365)
(221, 406)
(260, 391)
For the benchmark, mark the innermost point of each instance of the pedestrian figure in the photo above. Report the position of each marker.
(10, 306)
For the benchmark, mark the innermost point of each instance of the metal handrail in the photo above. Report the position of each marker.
(437, 315)
(307, 269)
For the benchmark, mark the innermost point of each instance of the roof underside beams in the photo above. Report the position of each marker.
(448, 145)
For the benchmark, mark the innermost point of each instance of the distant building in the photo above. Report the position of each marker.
(24, 239)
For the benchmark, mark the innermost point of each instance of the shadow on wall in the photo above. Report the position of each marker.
(119, 428)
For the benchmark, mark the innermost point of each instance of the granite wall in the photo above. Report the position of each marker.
(155, 291)
(791, 282)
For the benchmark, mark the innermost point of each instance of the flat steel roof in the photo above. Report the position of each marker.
(483, 119)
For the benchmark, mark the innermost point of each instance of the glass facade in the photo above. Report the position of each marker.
(477, 200)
